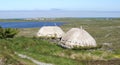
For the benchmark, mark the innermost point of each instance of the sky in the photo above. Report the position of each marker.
(82, 5)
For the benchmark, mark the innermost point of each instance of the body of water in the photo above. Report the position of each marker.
(59, 13)
(28, 24)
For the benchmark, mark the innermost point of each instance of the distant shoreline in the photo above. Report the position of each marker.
(58, 18)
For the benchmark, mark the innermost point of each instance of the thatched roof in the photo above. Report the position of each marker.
(77, 37)
(50, 31)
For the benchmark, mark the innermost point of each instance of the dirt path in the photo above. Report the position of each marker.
(31, 59)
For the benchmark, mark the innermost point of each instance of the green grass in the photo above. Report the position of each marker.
(45, 51)
(41, 50)
(103, 30)
(8, 56)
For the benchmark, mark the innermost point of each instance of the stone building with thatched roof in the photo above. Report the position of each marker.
(50, 31)
(77, 37)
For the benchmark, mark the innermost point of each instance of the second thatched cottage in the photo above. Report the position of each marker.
(77, 37)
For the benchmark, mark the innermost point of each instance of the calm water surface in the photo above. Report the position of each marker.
(28, 24)
(54, 14)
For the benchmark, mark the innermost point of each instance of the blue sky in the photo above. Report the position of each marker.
(88, 5)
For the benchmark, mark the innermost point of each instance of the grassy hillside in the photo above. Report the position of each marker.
(105, 31)
(45, 51)
(39, 49)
